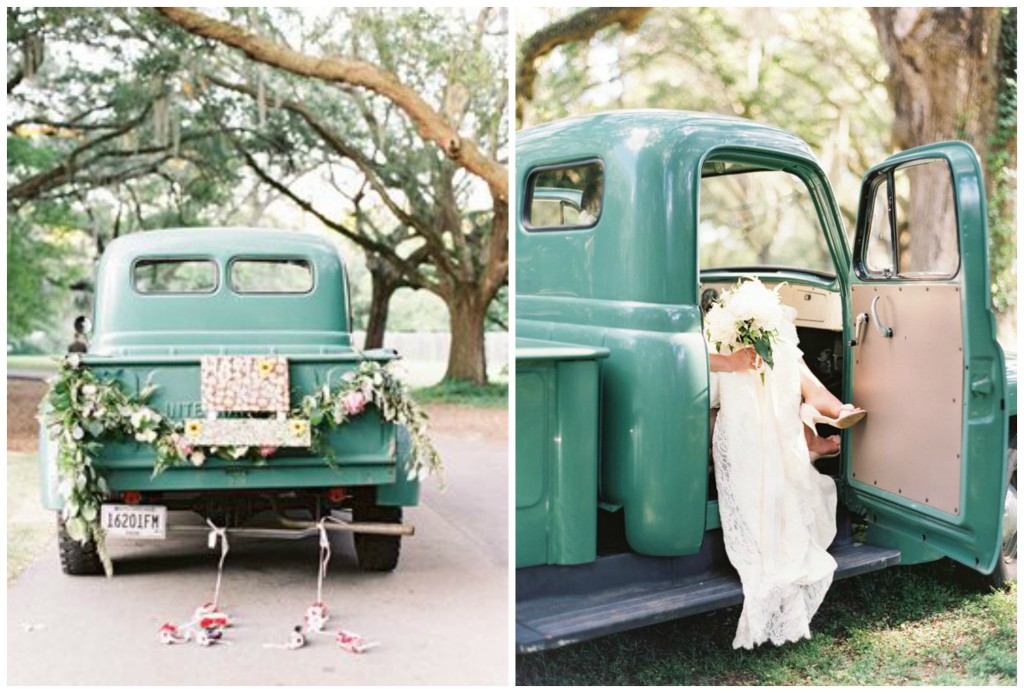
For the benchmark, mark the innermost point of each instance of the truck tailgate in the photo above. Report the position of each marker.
(364, 448)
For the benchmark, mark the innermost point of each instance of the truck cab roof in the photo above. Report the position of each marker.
(209, 290)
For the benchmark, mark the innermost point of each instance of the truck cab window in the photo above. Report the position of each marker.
(918, 199)
(271, 276)
(565, 197)
(175, 276)
(758, 218)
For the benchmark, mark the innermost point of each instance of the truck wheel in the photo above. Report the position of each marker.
(76, 558)
(377, 553)
(1006, 568)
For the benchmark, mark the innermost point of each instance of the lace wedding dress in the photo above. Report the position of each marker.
(778, 512)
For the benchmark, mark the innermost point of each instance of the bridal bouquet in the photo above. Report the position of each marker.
(749, 315)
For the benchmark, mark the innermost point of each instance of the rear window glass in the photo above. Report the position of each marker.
(565, 196)
(271, 276)
(175, 276)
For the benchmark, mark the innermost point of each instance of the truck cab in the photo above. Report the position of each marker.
(898, 322)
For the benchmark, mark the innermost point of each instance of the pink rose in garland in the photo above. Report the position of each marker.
(354, 403)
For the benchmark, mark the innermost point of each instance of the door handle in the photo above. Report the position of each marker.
(858, 329)
(885, 331)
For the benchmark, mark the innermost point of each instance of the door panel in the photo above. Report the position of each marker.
(910, 382)
(928, 463)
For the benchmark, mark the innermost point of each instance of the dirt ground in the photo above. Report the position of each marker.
(22, 404)
(447, 420)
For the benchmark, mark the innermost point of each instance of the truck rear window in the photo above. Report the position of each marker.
(271, 276)
(175, 276)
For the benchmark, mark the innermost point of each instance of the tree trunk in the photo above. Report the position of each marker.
(382, 288)
(943, 83)
(467, 313)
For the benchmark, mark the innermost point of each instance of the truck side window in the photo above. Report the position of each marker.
(175, 276)
(569, 196)
(751, 217)
(923, 213)
(271, 276)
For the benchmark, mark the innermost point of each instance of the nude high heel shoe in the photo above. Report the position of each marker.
(808, 415)
(847, 417)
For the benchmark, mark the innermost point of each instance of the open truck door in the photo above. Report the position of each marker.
(928, 464)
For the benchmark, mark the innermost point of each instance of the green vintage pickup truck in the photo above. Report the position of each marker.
(617, 522)
(224, 350)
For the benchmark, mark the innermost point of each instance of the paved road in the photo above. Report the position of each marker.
(441, 617)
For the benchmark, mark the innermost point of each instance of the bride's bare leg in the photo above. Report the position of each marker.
(822, 446)
(817, 395)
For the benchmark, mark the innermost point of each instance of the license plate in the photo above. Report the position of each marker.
(135, 521)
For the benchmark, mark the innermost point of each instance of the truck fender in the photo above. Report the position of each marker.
(49, 478)
(403, 492)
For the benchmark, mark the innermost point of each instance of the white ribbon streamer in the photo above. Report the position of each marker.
(215, 533)
(325, 557)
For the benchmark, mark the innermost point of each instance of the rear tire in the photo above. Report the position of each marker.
(1006, 567)
(76, 558)
(377, 553)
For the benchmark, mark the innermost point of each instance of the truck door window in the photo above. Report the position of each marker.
(271, 276)
(759, 218)
(879, 255)
(917, 201)
(175, 276)
(564, 196)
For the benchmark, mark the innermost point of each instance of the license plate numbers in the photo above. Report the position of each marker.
(135, 521)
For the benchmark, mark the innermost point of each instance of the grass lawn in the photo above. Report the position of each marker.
(30, 529)
(491, 395)
(906, 625)
(33, 363)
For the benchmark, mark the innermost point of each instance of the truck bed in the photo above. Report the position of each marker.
(562, 605)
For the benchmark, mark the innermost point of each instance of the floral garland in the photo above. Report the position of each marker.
(85, 412)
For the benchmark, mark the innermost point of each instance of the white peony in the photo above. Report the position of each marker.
(197, 458)
(720, 328)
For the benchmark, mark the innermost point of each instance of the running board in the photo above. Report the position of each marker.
(561, 605)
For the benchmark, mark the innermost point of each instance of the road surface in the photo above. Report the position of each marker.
(441, 618)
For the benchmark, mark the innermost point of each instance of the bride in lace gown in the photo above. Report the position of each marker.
(777, 511)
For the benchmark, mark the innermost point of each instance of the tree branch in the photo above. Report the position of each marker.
(411, 272)
(581, 26)
(430, 124)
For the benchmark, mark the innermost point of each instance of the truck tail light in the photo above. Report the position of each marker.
(337, 494)
(132, 497)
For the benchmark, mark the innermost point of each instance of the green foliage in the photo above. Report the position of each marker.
(1002, 170)
(907, 625)
(102, 141)
(40, 267)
